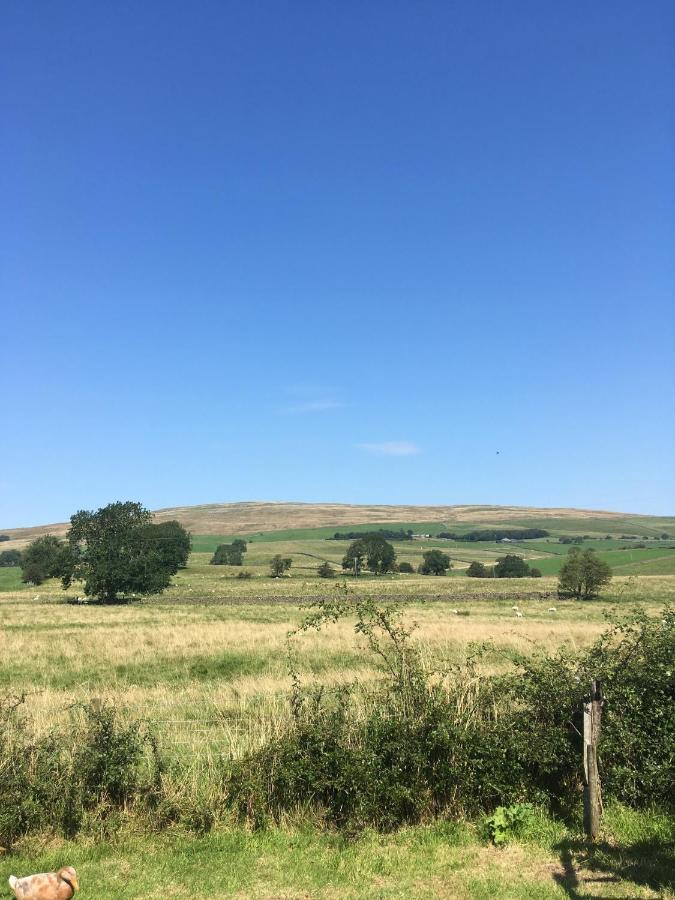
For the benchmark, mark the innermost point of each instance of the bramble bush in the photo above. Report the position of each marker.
(100, 765)
(455, 742)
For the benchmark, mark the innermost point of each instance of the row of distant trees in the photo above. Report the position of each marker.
(495, 534)
(509, 566)
(375, 554)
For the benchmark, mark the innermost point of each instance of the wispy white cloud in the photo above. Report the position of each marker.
(310, 406)
(391, 448)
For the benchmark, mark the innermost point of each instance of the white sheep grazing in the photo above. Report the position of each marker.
(515, 608)
(455, 611)
(519, 615)
(552, 609)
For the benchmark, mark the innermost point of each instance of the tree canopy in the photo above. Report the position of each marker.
(280, 564)
(377, 553)
(583, 573)
(495, 534)
(477, 570)
(118, 550)
(435, 562)
(511, 566)
(43, 558)
(227, 555)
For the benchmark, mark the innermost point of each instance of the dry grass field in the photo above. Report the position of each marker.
(206, 667)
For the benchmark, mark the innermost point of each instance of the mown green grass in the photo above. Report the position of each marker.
(440, 860)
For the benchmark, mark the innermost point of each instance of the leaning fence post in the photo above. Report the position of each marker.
(592, 791)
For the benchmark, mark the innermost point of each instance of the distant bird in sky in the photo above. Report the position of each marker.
(59, 885)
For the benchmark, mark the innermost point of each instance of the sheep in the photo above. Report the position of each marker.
(515, 608)
(519, 615)
(552, 609)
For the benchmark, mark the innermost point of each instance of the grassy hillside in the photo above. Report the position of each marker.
(305, 520)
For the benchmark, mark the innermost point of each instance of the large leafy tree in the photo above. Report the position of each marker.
(435, 562)
(378, 554)
(118, 550)
(583, 573)
(511, 566)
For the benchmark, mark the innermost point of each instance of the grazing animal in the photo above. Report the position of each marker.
(515, 608)
(519, 615)
(455, 611)
(552, 609)
(59, 885)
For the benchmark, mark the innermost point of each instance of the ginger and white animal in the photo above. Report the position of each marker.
(59, 885)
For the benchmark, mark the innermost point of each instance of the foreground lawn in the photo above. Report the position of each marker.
(443, 860)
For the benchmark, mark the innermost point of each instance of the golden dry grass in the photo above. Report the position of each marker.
(254, 516)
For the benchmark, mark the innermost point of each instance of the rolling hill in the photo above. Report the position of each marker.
(256, 517)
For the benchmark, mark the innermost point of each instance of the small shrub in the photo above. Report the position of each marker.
(244, 574)
(508, 822)
(406, 568)
(325, 570)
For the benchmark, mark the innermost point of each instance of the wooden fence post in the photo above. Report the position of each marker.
(592, 790)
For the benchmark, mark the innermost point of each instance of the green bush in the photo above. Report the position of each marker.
(417, 745)
(100, 765)
(325, 570)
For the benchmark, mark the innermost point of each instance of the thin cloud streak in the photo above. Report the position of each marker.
(391, 448)
(311, 406)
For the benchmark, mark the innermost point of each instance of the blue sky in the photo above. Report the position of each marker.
(337, 251)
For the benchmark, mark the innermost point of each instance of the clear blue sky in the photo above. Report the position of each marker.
(337, 251)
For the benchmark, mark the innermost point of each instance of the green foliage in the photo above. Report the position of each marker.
(9, 558)
(99, 765)
(43, 558)
(228, 555)
(583, 574)
(477, 570)
(244, 574)
(435, 562)
(325, 570)
(511, 566)
(391, 534)
(495, 534)
(280, 565)
(118, 550)
(508, 822)
(417, 744)
(636, 659)
(5, 537)
(406, 568)
(378, 554)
